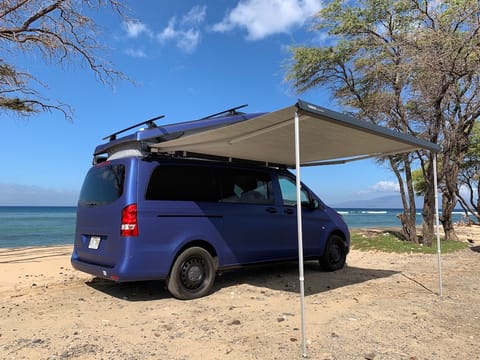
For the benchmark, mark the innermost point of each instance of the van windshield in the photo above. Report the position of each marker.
(102, 185)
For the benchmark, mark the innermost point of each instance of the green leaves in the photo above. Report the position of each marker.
(411, 65)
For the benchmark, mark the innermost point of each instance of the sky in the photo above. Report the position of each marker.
(187, 59)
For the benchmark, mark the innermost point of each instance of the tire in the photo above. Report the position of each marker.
(192, 274)
(335, 254)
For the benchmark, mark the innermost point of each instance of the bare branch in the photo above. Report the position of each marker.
(62, 33)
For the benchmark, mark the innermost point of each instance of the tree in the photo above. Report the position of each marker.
(409, 65)
(448, 78)
(62, 33)
(367, 71)
(469, 177)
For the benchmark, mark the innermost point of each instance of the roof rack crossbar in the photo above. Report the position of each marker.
(232, 111)
(150, 123)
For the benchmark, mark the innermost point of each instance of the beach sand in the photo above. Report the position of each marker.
(381, 306)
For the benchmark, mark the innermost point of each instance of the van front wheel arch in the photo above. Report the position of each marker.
(192, 274)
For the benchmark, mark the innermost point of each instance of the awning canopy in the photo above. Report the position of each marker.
(302, 134)
(325, 135)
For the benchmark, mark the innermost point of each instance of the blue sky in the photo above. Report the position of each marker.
(188, 59)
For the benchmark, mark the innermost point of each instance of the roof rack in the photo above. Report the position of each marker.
(232, 111)
(150, 123)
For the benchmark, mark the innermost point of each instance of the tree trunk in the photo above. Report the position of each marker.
(448, 204)
(428, 212)
(409, 229)
(428, 225)
(408, 217)
(477, 207)
(449, 199)
(412, 207)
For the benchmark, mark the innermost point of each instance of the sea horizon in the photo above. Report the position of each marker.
(39, 225)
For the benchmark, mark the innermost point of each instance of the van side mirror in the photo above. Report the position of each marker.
(315, 204)
(312, 204)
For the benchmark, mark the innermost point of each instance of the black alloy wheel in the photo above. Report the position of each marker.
(192, 274)
(335, 254)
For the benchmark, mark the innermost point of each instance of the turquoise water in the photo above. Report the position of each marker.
(36, 226)
(359, 218)
(45, 226)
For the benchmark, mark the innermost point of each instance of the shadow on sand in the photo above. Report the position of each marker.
(475, 248)
(279, 277)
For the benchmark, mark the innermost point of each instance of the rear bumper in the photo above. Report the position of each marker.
(119, 273)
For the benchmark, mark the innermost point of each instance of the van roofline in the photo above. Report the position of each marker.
(172, 131)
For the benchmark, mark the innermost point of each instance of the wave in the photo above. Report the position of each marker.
(373, 212)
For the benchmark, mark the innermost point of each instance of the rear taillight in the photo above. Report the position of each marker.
(129, 225)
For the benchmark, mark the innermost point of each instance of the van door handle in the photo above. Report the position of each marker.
(288, 211)
(271, 210)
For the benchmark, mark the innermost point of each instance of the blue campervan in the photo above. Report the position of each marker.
(182, 217)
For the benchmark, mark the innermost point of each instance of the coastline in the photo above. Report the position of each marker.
(42, 265)
(50, 311)
(25, 226)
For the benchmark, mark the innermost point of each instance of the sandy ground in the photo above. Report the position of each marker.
(381, 306)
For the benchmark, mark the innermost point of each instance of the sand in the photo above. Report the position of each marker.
(381, 306)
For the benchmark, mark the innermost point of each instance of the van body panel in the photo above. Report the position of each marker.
(237, 209)
(168, 226)
(317, 222)
(254, 234)
(96, 219)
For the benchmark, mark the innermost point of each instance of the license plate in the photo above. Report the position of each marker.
(94, 242)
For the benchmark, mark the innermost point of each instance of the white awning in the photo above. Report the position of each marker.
(299, 135)
(325, 135)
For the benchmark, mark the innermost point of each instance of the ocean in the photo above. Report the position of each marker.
(36, 226)
(22, 226)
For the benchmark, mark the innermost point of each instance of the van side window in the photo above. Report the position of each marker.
(245, 186)
(183, 183)
(289, 192)
(212, 184)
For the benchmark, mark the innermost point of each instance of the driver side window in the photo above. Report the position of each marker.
(289, 192)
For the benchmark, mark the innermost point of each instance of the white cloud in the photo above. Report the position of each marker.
(138, 53)
(185, 33)
(188, 40)
(185, 39)
(465, 192)
(324, 38)
(386, 186)
(135, 28)
(196, 16)
(381, 187)
(262, 18)
(169, 32)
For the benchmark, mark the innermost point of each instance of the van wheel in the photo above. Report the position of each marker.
(192, 275)
(335, 254)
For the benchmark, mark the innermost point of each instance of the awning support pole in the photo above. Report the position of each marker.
(437, 221)
(300, 234)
